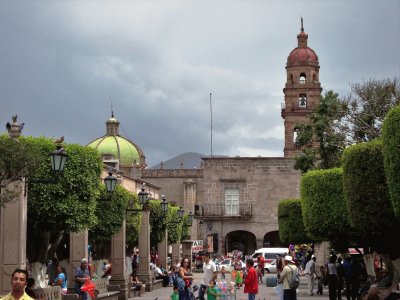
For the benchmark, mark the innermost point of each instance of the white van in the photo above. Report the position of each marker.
(269, 253)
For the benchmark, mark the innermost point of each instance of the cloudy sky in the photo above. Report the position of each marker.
(62, 61)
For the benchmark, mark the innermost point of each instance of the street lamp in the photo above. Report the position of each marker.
(164, 204)
(190, 218)
(180, 213)
(110, 181)
(143, 196)
(58, 158)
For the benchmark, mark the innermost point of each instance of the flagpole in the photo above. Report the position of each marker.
(211, 125)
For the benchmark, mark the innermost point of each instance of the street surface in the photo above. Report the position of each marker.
(265, 293)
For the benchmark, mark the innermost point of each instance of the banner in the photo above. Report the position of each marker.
(197, 246)
(210, 243)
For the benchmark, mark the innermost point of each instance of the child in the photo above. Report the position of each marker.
(211, 291)
(320, 280)
(174, 295)
(223, 272)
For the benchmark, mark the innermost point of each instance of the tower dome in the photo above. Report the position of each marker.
(302, 54)
(118, 151)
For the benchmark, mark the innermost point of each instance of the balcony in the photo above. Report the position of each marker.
(220, 210)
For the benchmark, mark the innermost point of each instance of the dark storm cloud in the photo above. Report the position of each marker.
(62, 62)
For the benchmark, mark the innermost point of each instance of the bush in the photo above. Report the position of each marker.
(290, 221)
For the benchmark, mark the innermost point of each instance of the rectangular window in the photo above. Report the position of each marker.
(231, 202)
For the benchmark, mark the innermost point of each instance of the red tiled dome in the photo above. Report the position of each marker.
(306, 55)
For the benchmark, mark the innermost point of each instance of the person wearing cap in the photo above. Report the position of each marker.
(288, 293)
(310, 275)
(81, 275)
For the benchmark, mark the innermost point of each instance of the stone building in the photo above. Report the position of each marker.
(234, 199)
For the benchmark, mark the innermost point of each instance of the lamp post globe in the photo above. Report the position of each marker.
(58, 158)
(164, 204)
(180, 213)
(110, 181)
(142, 196)
(190, 218)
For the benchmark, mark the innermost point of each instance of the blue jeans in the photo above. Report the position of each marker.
(251, 296)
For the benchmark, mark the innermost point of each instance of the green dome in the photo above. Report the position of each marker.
(122, 149)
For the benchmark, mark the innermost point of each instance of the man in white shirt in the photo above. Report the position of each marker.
(209, 273)
(309, 271)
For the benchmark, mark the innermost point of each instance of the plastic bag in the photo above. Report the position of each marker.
(89, 287)
(279, 291)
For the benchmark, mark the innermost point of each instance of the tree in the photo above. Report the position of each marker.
(291, 226)
(391, 154)
(367, 196)
(367, 106)
(336, 123)
(324, 208)
(158, 222)
(174, 225)
(19, 159)
(63, 207)
(321, 141)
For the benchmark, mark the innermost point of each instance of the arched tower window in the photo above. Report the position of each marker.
(314, 78)
(291, 78)
(302, 79)
(302, 100)
(295, 136)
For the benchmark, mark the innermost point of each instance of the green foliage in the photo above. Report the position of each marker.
(323, 205)
(174, 225)
(391, 154)
(133, 222)
(321, 142)
(367, 194)
(290, 221)
(186, 227)
(110, 213)
(158, 222)
(19, 159)
(68, 205)
(367, 106)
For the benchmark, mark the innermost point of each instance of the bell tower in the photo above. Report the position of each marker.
(302, 90)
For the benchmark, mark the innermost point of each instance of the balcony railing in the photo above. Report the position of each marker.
(213, 210)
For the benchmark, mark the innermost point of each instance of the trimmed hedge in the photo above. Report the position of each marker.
(366, 193)
(391, 155)
(323, 205)
(291, 227)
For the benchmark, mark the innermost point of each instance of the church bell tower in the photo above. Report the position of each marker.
(302, 90)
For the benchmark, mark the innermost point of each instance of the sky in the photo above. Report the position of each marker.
(64, 65)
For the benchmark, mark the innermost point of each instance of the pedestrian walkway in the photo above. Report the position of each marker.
(265, 293)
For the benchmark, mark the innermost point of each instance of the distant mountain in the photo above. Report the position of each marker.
(190, 160)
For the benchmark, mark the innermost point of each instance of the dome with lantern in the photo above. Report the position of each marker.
(302, 54)
(116, 150)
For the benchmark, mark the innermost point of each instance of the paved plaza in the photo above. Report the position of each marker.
(265, 293)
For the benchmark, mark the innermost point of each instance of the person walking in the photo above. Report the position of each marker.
(288, 271)
(19, 280)
(310, 275)
(340, 277)
(348, 277)
(251, 280)
(332, 278)
(209, 273)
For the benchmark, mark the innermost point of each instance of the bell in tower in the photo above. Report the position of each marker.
(302, 90)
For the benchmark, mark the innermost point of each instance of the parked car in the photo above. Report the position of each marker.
(227, 264)
(270, 267)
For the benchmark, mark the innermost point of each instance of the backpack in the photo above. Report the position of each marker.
(294, 280)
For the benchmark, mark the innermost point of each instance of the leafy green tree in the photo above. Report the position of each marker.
(367, 106)
(321, 141)
(19, 159)
(391, 154)
(367, 196)
(324, 208)
(133, 222)
(174, 225)
(158, 222)
(336, 123)
(63, 207)
(291, 226)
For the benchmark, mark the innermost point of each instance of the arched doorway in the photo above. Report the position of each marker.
(242, 240)
(271, 239)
